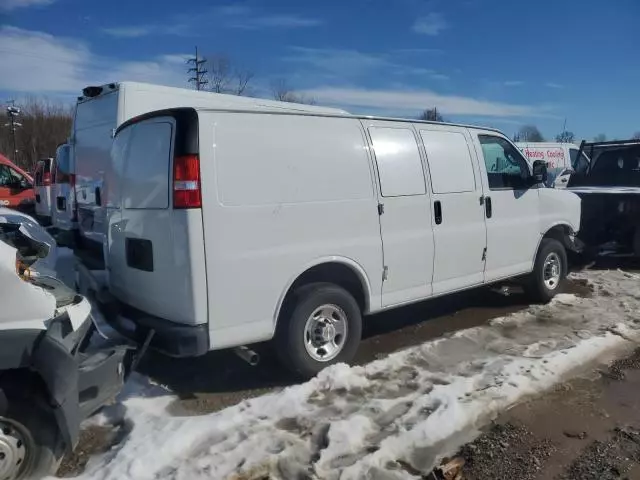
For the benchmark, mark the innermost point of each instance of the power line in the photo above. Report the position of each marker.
(198, 70)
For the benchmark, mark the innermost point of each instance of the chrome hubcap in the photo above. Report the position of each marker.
(13, 450)
(325, 333)
(552, 271)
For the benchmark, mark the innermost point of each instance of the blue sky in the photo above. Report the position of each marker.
(493, 62)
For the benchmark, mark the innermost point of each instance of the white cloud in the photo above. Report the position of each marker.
(431, 24)
(418, 51)
(347, 64)
(36, 62)
(275, 21)
(8, 5)
(415, 100)
(513, 83)
(553, 85)
(130, 32)
(231, 16)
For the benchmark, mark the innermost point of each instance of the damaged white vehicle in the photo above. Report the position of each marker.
(52, 375)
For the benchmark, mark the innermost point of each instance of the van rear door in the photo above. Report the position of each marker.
(155, 251)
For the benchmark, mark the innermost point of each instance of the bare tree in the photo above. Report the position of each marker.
(565, 137)
(45, 124)
(601, 137)
(431, 115)
(225, 77)
(529, 133)
(283, 92)
(636, 136)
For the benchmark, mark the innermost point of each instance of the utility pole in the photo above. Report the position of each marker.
(198, 71)
(12, 113)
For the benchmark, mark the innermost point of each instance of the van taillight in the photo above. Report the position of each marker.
(46, 179)
(186, 182)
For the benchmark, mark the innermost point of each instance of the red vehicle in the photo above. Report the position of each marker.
(16, 187)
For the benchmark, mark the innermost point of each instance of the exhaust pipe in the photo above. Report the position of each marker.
(248, 355)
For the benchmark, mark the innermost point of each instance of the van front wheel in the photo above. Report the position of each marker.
(549, 271)
(321, 326)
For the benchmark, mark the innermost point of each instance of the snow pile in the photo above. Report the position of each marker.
(358, 422)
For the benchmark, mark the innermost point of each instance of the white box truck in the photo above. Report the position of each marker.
(562, 160)
(235, 225)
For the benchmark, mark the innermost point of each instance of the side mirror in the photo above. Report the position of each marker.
(540, 171)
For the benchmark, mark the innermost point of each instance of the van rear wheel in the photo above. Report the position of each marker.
(549, 271)
(322, 325)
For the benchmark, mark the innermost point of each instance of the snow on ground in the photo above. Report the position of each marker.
(358, 422)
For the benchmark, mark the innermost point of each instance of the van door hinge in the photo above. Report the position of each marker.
(484, 254)
(385, 273)
(380, 209)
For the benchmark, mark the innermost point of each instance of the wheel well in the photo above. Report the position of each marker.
(28, 382)
(559, 232)
(336, 273)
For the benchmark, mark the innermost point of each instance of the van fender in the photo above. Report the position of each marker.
(566, 236)
(49, 360)
(348, 262)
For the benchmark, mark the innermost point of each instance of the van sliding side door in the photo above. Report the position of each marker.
(405, 212)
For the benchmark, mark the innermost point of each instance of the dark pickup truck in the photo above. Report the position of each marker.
(610, 192)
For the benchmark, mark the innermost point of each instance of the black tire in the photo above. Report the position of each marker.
(535, 287)
(28, 422)
(290, 334)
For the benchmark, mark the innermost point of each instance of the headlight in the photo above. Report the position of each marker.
(22, 269)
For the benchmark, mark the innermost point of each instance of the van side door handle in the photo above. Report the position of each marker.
(437, 211)
(487, 206)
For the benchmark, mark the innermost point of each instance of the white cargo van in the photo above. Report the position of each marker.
(229, 227)
(562, 160)
(63, 212)
(99, 111)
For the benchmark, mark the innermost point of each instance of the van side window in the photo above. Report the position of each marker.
(398, 160)
(506, 167)
(450, 163)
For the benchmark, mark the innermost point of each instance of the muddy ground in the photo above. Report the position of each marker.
(585, 429)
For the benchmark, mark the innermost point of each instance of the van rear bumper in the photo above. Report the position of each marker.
(169, 338)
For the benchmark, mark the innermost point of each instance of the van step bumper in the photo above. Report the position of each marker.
(169, 338)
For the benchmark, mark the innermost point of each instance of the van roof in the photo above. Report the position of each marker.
(371, 117)
(212, 100)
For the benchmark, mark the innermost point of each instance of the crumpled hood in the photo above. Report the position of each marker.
(22, 304)
(32, 229)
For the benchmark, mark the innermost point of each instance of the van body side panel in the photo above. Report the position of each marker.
(280, 193)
